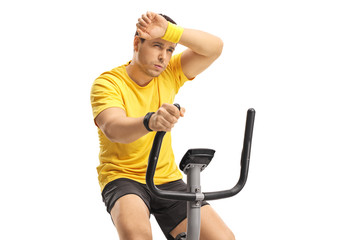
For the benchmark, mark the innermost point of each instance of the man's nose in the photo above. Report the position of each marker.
(162, 55)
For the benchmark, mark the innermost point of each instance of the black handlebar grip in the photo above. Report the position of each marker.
(177, 105)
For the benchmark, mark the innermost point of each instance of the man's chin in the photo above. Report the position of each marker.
(155, 73)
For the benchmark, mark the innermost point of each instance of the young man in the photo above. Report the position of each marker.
(130, 103)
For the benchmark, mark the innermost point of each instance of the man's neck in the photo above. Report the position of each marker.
(137, 75)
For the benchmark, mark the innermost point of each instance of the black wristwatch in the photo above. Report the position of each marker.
(147, 120)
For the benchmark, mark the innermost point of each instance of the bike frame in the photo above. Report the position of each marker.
(194, 196)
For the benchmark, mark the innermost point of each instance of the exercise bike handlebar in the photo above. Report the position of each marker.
(188, 196)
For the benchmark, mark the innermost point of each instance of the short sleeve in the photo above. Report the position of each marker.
(105, 94)
(179, 76)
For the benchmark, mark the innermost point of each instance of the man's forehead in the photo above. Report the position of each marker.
(162, 42)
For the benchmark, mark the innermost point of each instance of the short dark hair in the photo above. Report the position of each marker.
(169, 19)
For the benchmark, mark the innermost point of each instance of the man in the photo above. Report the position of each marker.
(130, 103)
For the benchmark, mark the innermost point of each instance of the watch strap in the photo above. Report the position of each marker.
(147, 120)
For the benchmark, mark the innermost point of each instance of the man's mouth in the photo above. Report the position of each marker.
(158, 66)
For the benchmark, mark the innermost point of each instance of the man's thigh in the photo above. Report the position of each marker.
(212, 226)
(131, 218)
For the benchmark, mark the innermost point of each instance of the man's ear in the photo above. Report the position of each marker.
(137, 42)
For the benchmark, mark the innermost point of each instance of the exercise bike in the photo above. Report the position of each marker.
(193, 162)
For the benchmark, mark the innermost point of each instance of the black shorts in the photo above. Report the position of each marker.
(168, 213)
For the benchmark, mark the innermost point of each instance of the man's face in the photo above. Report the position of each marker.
(154, 55)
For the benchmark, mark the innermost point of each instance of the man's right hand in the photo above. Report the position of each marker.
(165, 118)
(151, 26)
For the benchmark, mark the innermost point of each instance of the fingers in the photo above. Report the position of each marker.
(165, 118)
(147, 17)
(142, 25)
(145, 20)
(168, 115)
(159, 123)
(182, 112)
(151, 25)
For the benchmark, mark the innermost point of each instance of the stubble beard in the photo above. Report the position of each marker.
(151, 73)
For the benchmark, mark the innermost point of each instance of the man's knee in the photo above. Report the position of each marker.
(226, 235)
(213, 227)
(134, 232)
(130, 230)
(136, 235)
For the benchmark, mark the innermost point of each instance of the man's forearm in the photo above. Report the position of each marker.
(117, 127)
(202, 43)
(125, 130)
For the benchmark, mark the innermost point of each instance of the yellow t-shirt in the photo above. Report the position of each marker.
(116, 89)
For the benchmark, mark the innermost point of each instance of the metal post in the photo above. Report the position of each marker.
(194, 207)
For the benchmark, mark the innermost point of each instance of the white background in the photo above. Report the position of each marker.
(296, 62)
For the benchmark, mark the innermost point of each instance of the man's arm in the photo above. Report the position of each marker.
(117, 127)
(203, 48)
